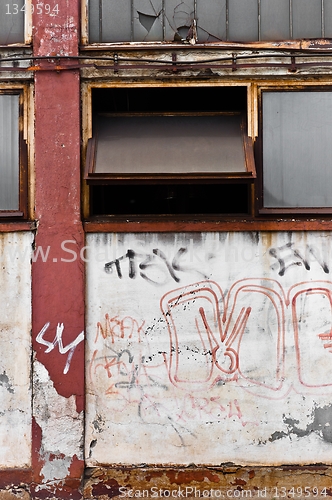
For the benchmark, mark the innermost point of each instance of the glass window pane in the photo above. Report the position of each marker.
(9, 152)
(243, 20)
(110, 21)
(179, 16)
(11, 22)
(275, 20)
(170, 144)
(328, 18)
(307, 18)
(297, 149)
(148, 20)
(211, 20)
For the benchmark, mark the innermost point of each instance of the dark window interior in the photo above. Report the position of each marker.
(170, 199)
(209, 197)
(162, 100)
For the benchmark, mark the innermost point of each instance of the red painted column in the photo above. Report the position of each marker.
(57, 269)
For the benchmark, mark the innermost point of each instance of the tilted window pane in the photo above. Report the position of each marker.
(169, 144)
(297, 149)
(12, 22)
(9, 152)
(275, 17)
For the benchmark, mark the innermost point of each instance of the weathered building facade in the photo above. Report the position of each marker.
(165, 230)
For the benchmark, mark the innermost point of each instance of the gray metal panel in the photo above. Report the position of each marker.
(275, 22)
(211, 20)
(148, 20)
(307, 18)
(243, 20)
(297, 149)
(170, 144)
(116, 26)
(9, 152)
(11, 22)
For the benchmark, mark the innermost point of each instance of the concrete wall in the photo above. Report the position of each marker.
(209, 348)
(15, 348)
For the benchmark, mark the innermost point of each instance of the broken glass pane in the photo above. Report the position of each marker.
(307, 19)
(9, 147)
(275, 20)
(148, 20)
(204, 20)
(243, 20)
(11, 22)
(179, 19)
(211, 20)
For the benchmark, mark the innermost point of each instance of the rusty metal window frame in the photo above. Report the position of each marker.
(8, 9)
(192, 40)
(261, 209)
(90, 180)
(23, 161)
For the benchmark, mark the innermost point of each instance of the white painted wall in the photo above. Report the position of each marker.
(208, 348)
(15, 349)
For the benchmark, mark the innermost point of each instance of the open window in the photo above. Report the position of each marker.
(170, 151)
(296, 150)
(13, 158)
(15, 22)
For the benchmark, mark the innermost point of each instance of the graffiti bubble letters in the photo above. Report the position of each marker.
(150, 265)
(58, 340)
(287, 257)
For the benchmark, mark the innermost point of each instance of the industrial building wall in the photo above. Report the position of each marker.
(217, 346)
(207, 360)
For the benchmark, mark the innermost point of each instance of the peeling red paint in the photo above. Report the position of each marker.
(37, 462)
(58, 279)
(57, 35)
(60, 283)
(109, 488)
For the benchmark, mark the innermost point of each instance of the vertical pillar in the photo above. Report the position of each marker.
(57, 269)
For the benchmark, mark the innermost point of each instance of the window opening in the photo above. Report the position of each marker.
(192, 21)
(296, 150)
(164, 151)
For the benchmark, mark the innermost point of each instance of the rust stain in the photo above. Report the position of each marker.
(102, 483)
(239, 482)
(251, 474)
(187, 477)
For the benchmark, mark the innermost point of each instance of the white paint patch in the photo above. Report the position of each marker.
(61, 425)
(15, 348)
(58, 341)
(209, 348)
